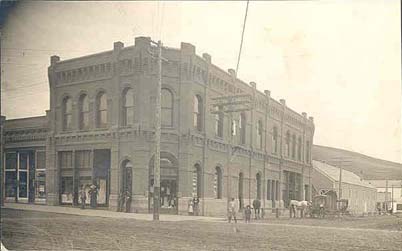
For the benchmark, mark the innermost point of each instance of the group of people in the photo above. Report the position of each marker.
(93, 195)
(193, 206)
(258, 212)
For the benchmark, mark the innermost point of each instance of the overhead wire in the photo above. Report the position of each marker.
(242, 37)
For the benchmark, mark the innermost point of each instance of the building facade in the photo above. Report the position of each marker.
(361, 196)
(100, 129)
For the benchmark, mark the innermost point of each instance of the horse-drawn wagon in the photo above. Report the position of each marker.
(327, 204)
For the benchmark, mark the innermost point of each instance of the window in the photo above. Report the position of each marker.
(219, 122)
(293, 146)
(218, 183)
(258, 179)
(166, 108)
(275, 140)
(67, 113)
(287, 144)
(128, 107)
(269, 189)
(299, 146)
(308, 151)
(197, 181)
(197, 109)
(101, 110)
(84, 112)
(242, 127)
(259, 134)
(234, 127)
(65, 160)
(82, 159)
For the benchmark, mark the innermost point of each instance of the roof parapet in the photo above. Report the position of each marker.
(187, 48)
(54, 59)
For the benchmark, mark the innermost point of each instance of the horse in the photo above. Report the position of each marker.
(299, 205)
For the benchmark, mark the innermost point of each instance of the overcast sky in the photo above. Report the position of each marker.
(339, 61)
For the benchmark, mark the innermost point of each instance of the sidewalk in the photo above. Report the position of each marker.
(106, 213)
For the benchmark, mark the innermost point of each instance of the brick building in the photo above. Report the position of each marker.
(99, 129)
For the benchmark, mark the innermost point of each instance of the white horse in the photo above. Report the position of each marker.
(299, 205)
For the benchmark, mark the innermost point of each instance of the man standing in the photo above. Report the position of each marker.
(232, 210)
(196, 201)
(256, 206)
(83, 196)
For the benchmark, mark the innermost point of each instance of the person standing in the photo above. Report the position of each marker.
(247, 213)
(232, 211)
(127, 200)
(94, 194)
(190, 207)
(83, 196)
(196, 202)
(256, 206)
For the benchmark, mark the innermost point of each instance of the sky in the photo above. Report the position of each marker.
(339, 61)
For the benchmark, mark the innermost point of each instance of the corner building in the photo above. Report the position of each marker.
(101, 129)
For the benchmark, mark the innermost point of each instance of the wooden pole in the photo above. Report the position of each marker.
(157, 137)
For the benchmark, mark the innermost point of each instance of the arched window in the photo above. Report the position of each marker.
(275, 140)
(84, 112)
(287, 144)
(258, 179)
(101, 110)
(218, 183)
(299, 147)
(259, 134)
(219, 122)
(67, 113)
(240, 189)
(242, 127)
(197, 110)
(197, 181)
(308, 151)
(293, 146)
(166, 108)
(128, 107)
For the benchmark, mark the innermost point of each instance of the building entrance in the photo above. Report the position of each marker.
(20, 176)
(168, 185)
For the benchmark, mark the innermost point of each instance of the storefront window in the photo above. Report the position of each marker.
(23, 161)
(86, 182)
(40, 188)
(11, 161)
(67, 189)
(23, 185)
(11, 183)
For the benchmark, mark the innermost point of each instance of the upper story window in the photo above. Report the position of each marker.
(293, 146)
(84, 111)
(259, 134)
(219, 122)
(67, 113)
(166, 108)
(287, 144)
(197, 110)
(128, 107)
(275, 140)
(308, 151)
(242, 127)
(299, 147)
(101, 110)
(234, 127)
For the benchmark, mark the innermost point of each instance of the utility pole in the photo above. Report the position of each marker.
(157, 155)
(339, 162)
(392, 198)
(386, 196)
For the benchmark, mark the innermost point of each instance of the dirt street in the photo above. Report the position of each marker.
(27, 230)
